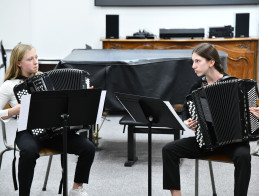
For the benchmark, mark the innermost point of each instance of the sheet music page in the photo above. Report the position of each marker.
(100, 109)
(126, 109)
(24, 112)
(170, 107)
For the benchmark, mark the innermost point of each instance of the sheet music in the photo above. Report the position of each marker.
(170, 107)
(24, 112)
(100, 109)
(126, 109)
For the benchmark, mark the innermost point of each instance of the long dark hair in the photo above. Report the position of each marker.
(209, 52)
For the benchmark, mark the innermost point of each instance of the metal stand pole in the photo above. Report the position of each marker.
(65, 124)
(150, 119)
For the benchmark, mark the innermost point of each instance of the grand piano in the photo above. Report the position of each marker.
(166, 74)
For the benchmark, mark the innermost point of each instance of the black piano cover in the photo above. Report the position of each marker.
(165, 74)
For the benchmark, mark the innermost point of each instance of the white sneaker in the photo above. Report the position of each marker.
(78, 192)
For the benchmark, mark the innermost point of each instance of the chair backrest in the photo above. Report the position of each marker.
(3, 131)
(4, 135)
(7, 106)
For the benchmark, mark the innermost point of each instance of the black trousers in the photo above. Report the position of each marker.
(188, 148)
(29, 152)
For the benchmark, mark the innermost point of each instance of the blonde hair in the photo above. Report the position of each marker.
(13, 71)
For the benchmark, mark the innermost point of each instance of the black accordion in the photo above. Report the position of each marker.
(222, 113)
(58, 79)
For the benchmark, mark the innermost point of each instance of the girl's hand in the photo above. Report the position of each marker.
(192, 124)
(12, 111)
(254, 111)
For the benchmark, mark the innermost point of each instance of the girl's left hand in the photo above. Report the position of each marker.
(254, 111)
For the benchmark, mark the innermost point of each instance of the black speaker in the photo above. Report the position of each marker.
(242, 25)
(112, 26)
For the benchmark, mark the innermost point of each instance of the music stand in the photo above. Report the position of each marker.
(4, 57)
(63, 108)
(154, 112)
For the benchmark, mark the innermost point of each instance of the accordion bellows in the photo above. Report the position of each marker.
(222, 113)
(69, 79)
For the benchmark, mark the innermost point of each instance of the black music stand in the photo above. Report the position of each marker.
(3, 54)
(154, 112)
(64, 108)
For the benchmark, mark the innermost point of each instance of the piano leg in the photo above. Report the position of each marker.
(132, 158)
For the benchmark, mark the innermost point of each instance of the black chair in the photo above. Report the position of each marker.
(217, 158)
(43, 152)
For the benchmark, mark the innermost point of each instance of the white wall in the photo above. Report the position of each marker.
(15, 23)
(55, 27)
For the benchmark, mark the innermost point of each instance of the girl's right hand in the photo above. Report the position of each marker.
(192, 124)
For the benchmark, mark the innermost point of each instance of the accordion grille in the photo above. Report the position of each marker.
(65, 79)
(223, 99)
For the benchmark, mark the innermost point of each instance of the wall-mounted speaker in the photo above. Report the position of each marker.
(242, 25)
(112, 26)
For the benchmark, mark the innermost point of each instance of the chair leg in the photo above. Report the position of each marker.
(61, 181)
(47, 173)
(196, 177)
(212, 179)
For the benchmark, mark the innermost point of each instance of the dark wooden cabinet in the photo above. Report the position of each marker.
(242, 52)
(47, 65)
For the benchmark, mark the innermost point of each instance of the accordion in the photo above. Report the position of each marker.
(59, 79)
(222, 113)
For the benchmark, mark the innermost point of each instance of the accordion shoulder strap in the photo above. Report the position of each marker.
(225, 77)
